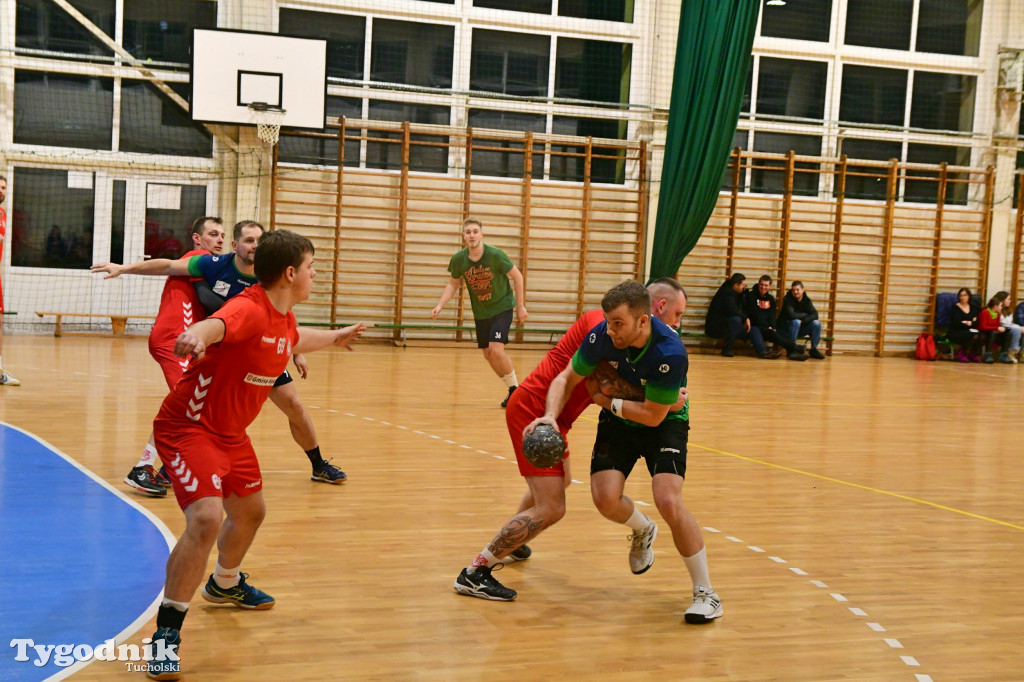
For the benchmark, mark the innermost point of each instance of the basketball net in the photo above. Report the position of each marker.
(268, 121)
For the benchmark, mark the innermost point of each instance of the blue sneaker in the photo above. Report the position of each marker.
(328, 473)
(242, 595)
(164, 664)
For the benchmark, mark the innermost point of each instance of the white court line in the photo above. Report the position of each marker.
(797, 570)
(818, 583)
(733, 538)
(894, 643)
(858, 612)
(910, 660)
(755, 549)
(876, 627)
(837, 596)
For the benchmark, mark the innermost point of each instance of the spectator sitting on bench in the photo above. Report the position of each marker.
(799, 318)
(991, 332)
(725, 318)
(1013, 330)
(760, 310)
(961, 330)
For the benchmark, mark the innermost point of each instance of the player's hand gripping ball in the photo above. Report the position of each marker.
(545, 447)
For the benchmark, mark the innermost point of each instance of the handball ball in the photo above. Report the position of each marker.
(544, 447)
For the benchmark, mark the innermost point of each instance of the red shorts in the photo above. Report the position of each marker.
(523, 407)
(1, 294)
(201, 464)
(170, 364)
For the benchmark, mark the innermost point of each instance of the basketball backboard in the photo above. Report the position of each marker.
(232, 69)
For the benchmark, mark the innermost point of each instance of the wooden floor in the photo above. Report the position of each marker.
(863, 520)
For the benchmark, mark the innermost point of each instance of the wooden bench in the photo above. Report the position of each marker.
(117, 322)
(700, 336)
(401, 328)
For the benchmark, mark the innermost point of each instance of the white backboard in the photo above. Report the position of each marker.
(230, 69)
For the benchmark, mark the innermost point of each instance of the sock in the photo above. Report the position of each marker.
(697, 565)
(149, 456)
(171, 614)
(638, 521)
(314, 457)
(226, 578)
(484, 558)
(510, 379)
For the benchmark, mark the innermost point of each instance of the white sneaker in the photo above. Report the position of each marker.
(641, 556)
(706, 605)
(7, 380)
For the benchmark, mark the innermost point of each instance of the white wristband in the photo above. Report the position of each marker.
(617, 407)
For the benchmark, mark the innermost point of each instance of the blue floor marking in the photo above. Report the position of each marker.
(79, 563)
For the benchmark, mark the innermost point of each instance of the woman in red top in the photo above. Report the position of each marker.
(990, 330)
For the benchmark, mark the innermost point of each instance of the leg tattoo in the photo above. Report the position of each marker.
(515, 533)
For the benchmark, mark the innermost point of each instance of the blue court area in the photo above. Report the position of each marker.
(79, 564)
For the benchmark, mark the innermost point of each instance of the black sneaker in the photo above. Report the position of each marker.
(161, 478)
(144, 480)
(815, 354)
(511, 390)
(482, 584)
(520, 553)
(242, 595)
(726, 352)
(797, 355)
(328, 473)
(164, 664)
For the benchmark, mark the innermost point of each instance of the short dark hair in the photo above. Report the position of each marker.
(632, 293)
(737, 278)
(3, 177)
(239, 226)
(796, 283)
(198, 223)
(277, 251)
(765, 278)
(668, 282)
(472, 221)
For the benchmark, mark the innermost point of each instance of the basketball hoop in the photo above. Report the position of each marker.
(268, 121)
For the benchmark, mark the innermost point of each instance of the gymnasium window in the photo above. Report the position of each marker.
(594, 70)
(505, 164)
(509, 63)
(873, 95)
(53, 219)
(533, 6)
(117, 210)
(943, 101)
(42, 25)
(868, 182)
(741, 138)
(323, 151)
(568, 162)
(152, 123)
(879, 23)
(170, 210)
(791, 87)
(63, 110)
(601, 10)
(161, 30)
(412, 53)
(771, 181)
(949, 26)
(926, 189)
(797, 20)
(345, 36)
(388, 155)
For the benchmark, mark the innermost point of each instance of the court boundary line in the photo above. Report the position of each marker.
(169, 538)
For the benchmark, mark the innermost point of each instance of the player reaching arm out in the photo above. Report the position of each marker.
(156, 266)
(202, 335)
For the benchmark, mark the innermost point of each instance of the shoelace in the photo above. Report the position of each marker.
(637, 539)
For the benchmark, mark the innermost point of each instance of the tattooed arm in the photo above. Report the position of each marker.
(604, 383)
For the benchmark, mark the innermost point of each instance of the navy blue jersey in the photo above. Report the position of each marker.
(222, 275)
(659, 367)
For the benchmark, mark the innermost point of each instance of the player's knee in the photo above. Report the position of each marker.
(205, 526)
(550, 511)
(605, 503)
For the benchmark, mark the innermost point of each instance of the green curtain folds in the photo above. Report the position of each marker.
(713, 56)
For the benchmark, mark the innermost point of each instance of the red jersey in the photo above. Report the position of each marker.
(3, 238)
(179, 309)
(223, 392)
(556, 360)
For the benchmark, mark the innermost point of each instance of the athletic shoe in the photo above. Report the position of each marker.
(144, 480)
(706, 605)
(987, 358)
(242, 595)
(797, 355)
(165, 666)
(1004, 358)
(815, 354)
(776, 353)
(511, 390)
(7, 380)
(520, 553)
(481, 584)
(328, 473)
(727, 352)
(641, 556)
(161, 478)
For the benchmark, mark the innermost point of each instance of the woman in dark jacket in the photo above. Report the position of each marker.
(962, 318)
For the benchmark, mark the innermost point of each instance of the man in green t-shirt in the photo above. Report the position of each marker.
(487, 271)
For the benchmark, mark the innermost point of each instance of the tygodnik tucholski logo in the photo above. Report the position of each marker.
(64, 655)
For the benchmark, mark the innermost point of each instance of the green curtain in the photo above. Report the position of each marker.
(713, 56)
